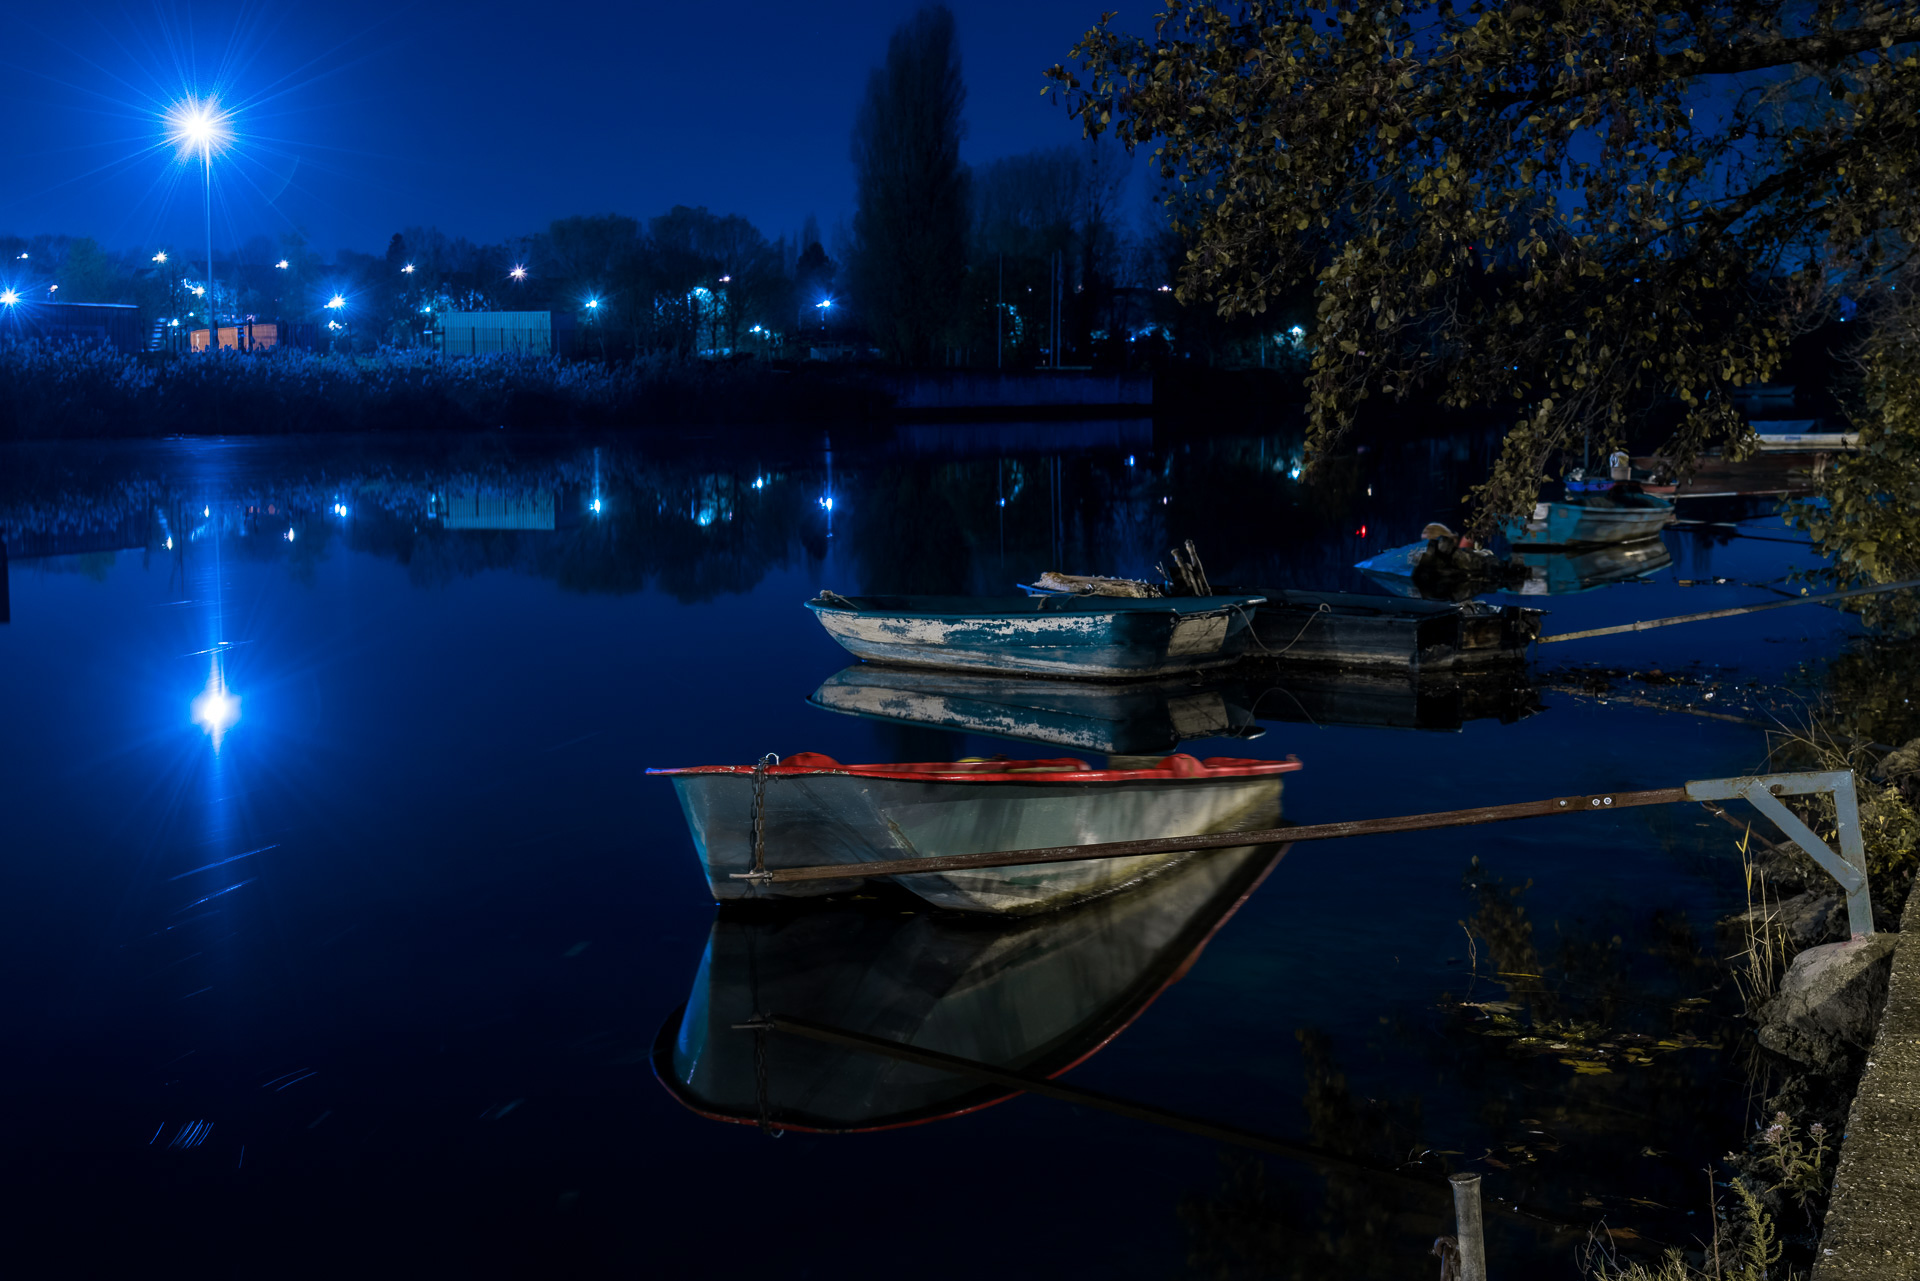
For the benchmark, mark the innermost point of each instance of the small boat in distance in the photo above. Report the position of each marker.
(1097, 637)
(1621, 514)
(818, 812)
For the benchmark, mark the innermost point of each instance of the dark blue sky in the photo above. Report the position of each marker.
(486, 118)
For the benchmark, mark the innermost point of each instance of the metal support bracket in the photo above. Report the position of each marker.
(1849, 866)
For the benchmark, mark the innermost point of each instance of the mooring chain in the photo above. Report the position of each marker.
(760, 767)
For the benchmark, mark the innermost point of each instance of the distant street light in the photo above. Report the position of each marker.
(282, 264)
(407, 270)
(8, 297)
(518, 272)
(161, 256)
(336, 302)
(593, 304)
(199, 125)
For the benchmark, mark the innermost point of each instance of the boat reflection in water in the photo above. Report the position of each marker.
(1034, 996)
(1125, 720)
(1158, 716)
(1559, 572)
(1564, 573)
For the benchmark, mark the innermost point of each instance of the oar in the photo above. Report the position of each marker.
(1222, 840)
(1727, 613)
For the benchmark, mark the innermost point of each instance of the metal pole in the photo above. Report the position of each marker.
(1226, 840)
(1467, 1227)
(1650, 623)
(1000, 319)
(206, 164)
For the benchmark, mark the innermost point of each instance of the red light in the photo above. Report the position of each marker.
(1362, 531)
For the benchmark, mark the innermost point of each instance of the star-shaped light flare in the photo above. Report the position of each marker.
(199, 127)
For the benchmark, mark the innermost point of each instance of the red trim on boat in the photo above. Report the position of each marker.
(999, 769)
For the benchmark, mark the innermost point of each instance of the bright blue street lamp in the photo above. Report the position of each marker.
(199, 125)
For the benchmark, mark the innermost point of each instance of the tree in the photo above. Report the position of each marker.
(1606, 212)
(910, 227)
(86, 274)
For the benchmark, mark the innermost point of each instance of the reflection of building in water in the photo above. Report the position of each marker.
(712, 500)
(487, 509)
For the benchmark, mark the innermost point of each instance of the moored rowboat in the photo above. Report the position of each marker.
(818, 812)
(1618, 515)
(1100, 637)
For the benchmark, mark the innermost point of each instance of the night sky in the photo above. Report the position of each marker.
(486, 119)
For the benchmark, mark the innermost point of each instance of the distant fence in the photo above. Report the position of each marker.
(477, 340)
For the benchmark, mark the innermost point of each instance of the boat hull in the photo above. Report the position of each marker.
(832, 817)
(1397, 633)
(1060, 636)
(1602, 518)
(1034, 997)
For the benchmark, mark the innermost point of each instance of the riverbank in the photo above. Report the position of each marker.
(62, 391)
(1872, 1232)
(65, 390)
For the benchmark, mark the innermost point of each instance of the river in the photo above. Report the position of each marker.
(342, 922)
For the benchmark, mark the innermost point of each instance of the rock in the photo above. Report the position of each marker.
(1829, 1002)
(1804, 919)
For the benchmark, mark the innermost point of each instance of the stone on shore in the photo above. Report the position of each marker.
(1829, 1002)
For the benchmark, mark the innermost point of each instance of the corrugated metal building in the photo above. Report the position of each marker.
(488, 333)
(116, 324)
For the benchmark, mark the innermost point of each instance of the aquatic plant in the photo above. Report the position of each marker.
(1798, 1162)
(1749, 1258)
(1759, 967)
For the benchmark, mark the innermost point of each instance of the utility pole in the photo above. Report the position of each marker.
(206, 164)
(1000, 319)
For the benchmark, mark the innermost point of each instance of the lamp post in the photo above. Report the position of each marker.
(200, 125)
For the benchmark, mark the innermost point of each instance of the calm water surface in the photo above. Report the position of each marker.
(341, 920)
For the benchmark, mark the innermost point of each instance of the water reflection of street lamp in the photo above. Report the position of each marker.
(200, 125)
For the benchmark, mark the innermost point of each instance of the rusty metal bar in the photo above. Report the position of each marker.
(1650, 623)
(1222, 840)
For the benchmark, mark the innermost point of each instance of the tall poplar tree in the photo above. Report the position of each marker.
(910, 230)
